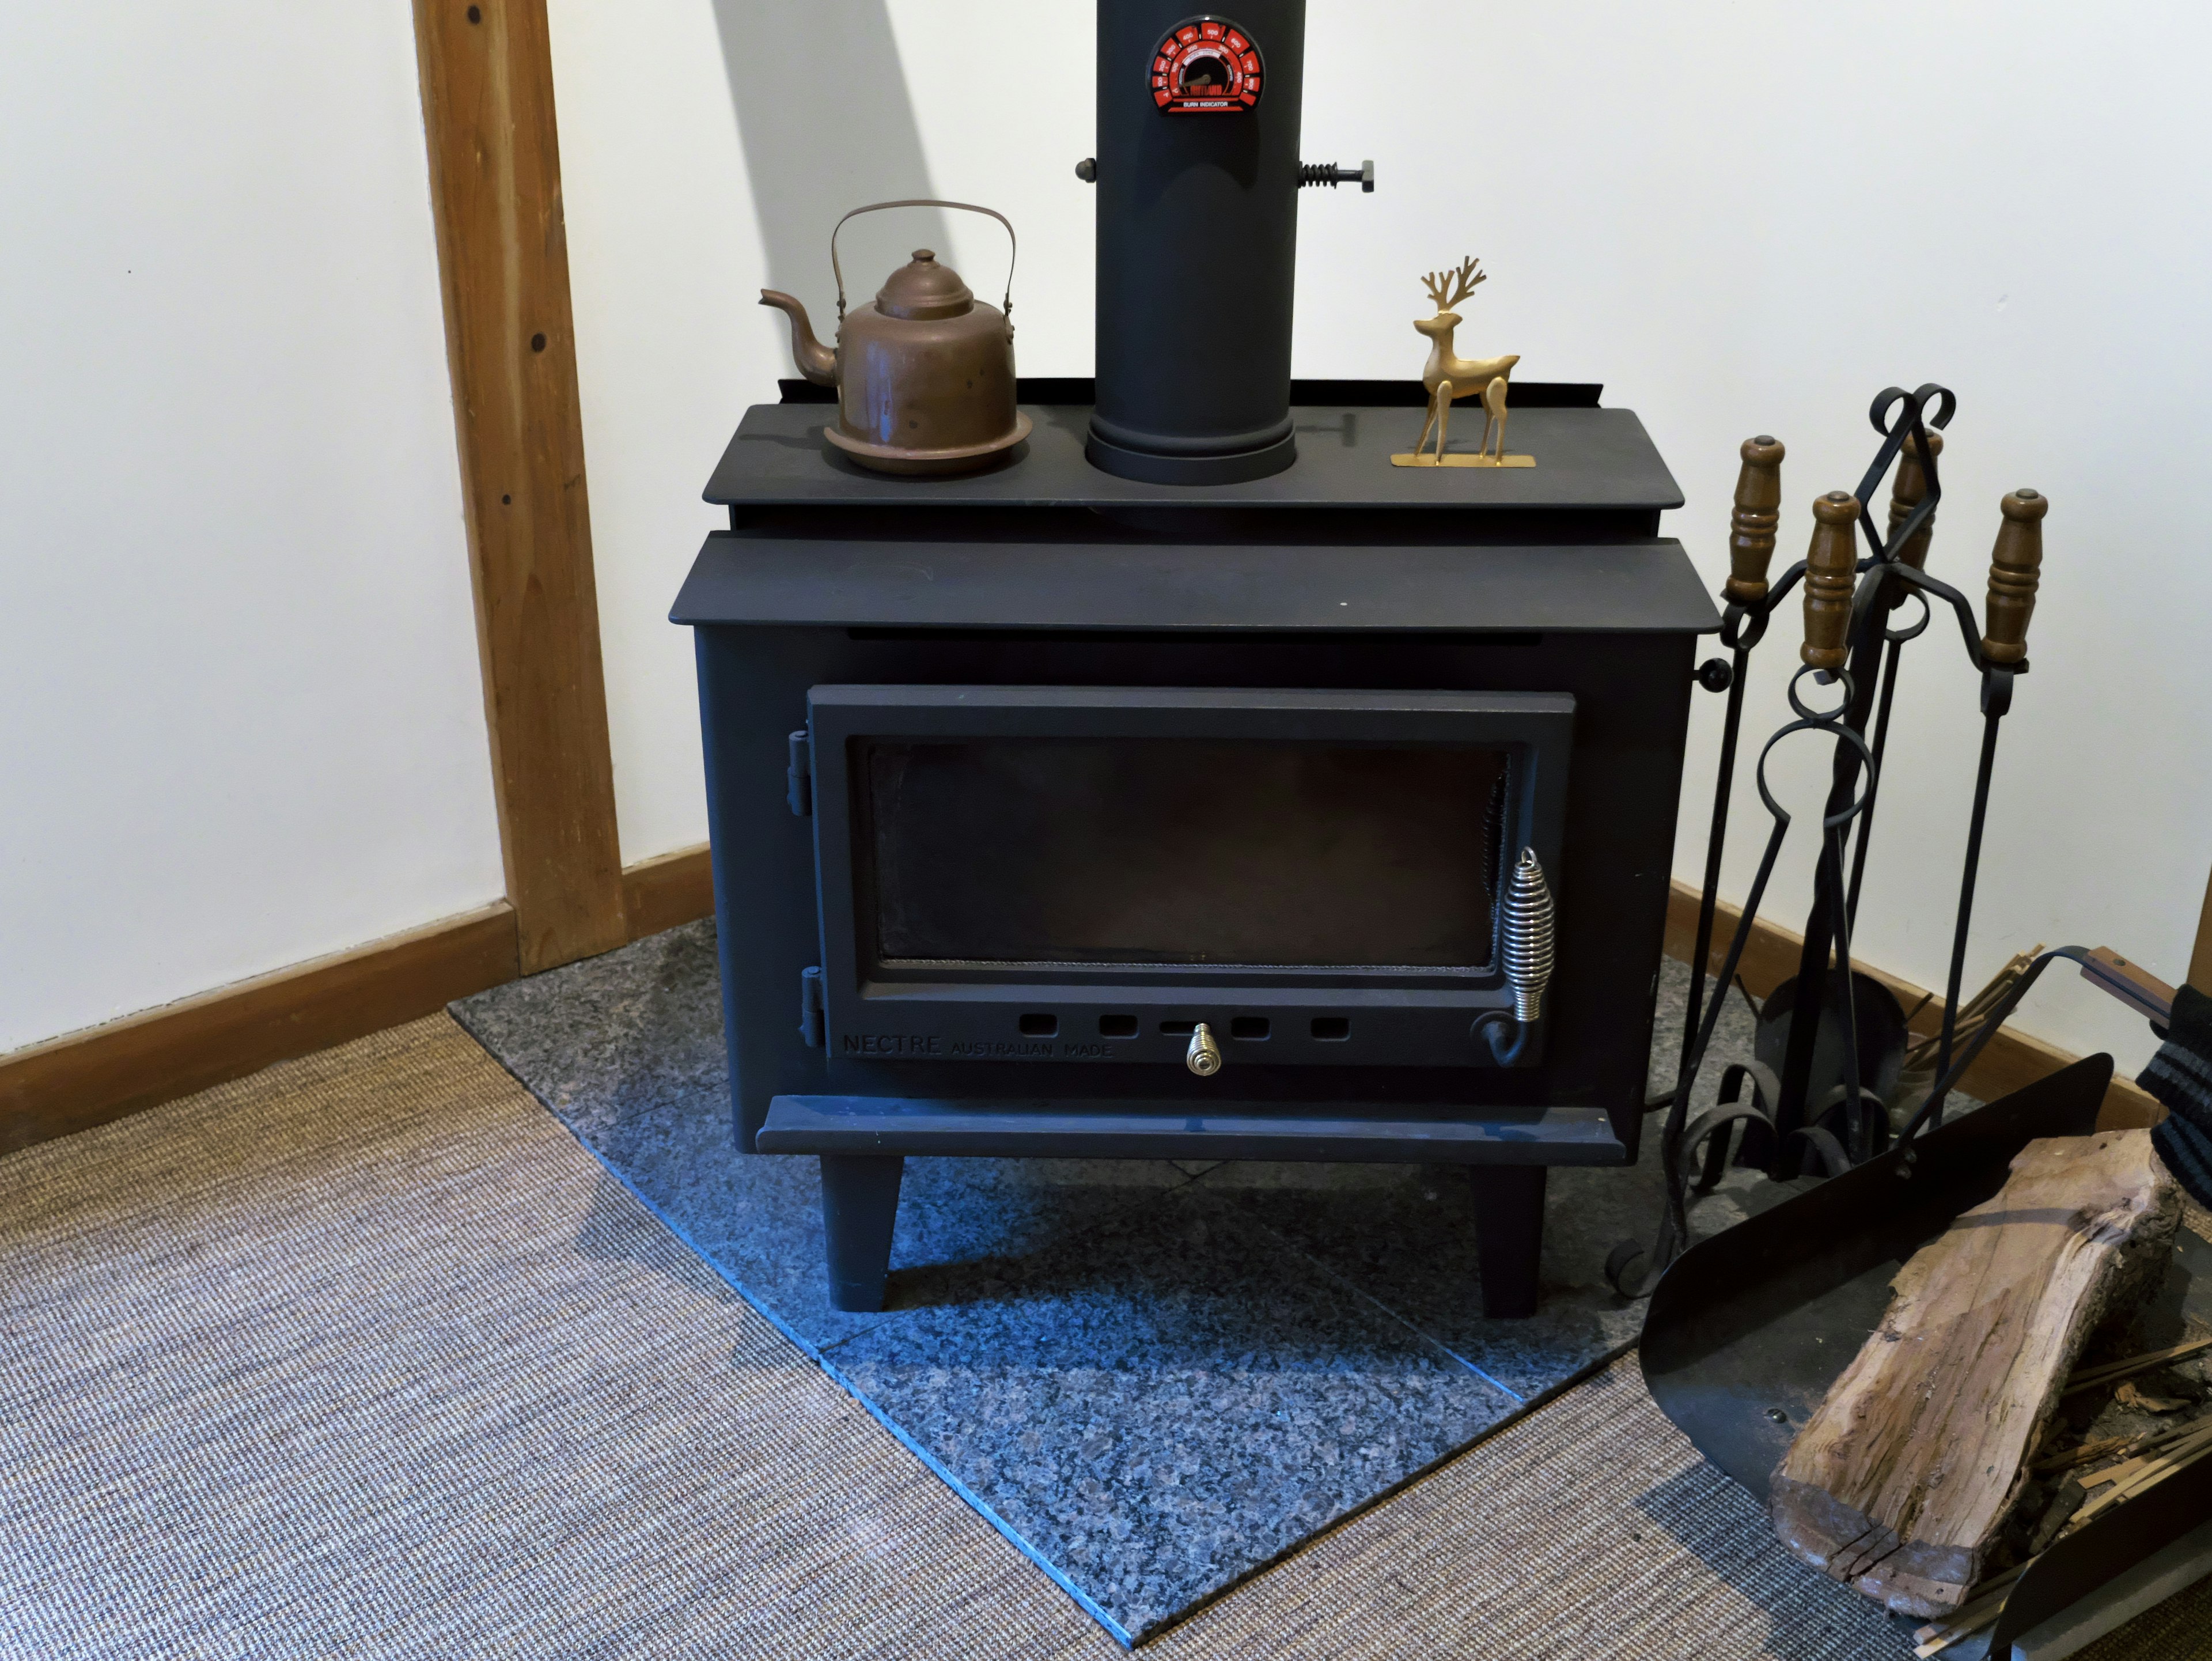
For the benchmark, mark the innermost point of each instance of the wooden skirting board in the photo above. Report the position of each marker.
(2012, 1060)
(661, 893)
(89, 1078)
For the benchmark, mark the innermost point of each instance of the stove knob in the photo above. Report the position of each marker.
(1204, 1055)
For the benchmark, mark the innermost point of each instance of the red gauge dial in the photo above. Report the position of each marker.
(1207, 66)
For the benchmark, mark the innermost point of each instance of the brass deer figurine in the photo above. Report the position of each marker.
(1447, 378)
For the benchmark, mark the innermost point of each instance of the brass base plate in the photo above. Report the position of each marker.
(1428, 459)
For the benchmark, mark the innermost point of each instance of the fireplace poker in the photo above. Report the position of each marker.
(2015, 571)
(1999, 650)
(1750, 599)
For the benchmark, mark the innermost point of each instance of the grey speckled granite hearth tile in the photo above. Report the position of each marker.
(957, 1218)
(1163, 1404)
(1157, 1374)
(1733, 1035)
(607, 1041)
(627, 1050)
(1404, 1236)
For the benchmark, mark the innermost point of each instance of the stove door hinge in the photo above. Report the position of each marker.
(799, 776)
(811, 1008)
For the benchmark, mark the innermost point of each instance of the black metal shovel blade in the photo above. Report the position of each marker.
(1747, 1330)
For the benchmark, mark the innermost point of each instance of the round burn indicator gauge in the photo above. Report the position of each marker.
(1205, 66)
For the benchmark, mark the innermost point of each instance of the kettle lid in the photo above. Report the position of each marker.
(923, 289)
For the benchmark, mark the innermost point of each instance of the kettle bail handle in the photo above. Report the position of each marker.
(1013, 248)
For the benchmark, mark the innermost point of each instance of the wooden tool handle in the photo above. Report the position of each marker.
(1910, 490)
(2130, 983)
(1751, 525)
(1829, 566)
(2016, 568)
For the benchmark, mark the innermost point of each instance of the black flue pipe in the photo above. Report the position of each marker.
(1197, 221)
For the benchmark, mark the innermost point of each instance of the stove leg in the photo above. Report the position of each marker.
(860, 1204)
(1509, 1226)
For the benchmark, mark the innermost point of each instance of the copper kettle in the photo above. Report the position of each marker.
(925, 374)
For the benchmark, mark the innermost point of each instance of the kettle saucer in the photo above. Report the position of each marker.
(958, 459)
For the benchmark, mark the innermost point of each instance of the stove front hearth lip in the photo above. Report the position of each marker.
(1351, 1132)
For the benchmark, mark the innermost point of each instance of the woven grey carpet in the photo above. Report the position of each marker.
(365, 1356)
(1154, 1377)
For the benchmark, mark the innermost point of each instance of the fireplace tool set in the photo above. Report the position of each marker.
(1831, 1039)
(1747, 1331)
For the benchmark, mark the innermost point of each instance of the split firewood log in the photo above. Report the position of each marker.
(1902, 1481)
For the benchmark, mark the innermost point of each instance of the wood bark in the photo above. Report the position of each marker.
(1902, 1481)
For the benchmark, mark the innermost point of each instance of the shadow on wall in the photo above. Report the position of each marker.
(827, 126)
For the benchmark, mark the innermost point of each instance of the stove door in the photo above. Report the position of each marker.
(1086, 873)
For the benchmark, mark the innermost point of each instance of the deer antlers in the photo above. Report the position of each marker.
(1448, 288)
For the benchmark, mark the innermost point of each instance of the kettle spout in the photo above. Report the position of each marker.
(815, 361)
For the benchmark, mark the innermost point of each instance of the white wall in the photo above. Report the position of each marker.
(241, 720)
(1739, 218)
(685, 199)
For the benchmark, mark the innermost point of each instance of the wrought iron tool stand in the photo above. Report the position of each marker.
(1849, 642)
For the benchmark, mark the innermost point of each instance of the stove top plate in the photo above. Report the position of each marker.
(1587, 460)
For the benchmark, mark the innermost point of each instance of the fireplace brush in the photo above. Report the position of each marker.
(1848, 641)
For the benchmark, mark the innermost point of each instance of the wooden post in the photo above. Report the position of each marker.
(487, 79)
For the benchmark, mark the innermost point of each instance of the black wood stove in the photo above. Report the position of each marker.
(1059, 813)
(1195, 783)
